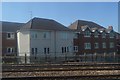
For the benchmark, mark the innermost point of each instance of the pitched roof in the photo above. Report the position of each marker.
(79, 23)
(94, 29)
(44, 24)
(10, 26)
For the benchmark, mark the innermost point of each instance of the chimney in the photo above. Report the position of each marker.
(110, 27)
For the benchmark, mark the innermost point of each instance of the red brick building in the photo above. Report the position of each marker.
(91, 38)
(118, 42)
(9, 37)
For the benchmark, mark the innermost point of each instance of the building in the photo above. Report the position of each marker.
(118, 42)
(42, 39)
(118, 34)
(9, 37)
(91, 38)
(47, 40)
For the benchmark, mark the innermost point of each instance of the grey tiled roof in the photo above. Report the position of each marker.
(10, 26)
(44, 24)
(80, 25)
(77, 24)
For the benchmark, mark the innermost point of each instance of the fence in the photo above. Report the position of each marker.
(113, 58)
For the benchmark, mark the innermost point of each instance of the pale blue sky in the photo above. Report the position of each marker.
(103, 13)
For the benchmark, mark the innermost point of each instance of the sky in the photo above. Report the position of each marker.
(102, 13)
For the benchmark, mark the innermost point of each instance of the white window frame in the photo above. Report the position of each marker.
(12, 49)
(87, 45)
(96, 34)
(34, 50)
(46, 50)
(12, 35)
(96, 46)
(87, 33)
(103, 45)
(111, 35)
(67, 49)
(46, 35)
(75, 48)
(34, 35)
(111, 44)
(103, 35)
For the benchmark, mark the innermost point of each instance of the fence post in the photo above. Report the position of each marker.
(95, 57)
(85, 56)
(92, 57)
(104, 57)
(25, 58)
(114, 57)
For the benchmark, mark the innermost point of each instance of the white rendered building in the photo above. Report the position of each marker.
(44, 39)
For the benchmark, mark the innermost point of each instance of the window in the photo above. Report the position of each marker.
(34, 51)
(96, 46)
(34, 35)
(96, 34)
(46, 35)
(46, 50)
(104, 45)
(75, 48)
(111, 45)
(103, 35)
(10, 35)
(62, 49)
(65, 49)
(10, 50)
(87, 33)
(87, 45)
(111, 35)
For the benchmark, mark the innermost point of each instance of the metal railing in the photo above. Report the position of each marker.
(35, 59)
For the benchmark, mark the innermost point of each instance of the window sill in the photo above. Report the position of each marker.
(10, 38)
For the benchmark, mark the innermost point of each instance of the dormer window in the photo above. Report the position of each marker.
(87, 33)
(111, 35)
(96, 34)
(103, 35)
